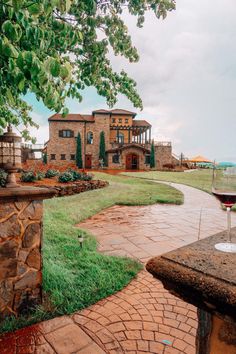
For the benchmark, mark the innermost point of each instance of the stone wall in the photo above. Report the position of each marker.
(76, 187)
(21, 212)
(163, 155)
(129, 150)
(67, 146)
(20, 256)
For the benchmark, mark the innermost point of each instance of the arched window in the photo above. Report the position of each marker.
(90, 138)
(116, 158)
(120, 138)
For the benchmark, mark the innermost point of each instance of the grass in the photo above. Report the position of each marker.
(200, 179)
(75, 278)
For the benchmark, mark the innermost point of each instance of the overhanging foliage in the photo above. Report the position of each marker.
(56, 48)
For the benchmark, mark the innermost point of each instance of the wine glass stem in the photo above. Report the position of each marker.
(229, 223)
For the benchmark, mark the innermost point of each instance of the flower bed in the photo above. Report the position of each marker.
(64, 183)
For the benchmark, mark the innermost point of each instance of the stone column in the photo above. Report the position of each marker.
(21, 212)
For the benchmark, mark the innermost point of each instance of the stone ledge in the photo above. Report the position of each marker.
(45, 192)
(200, 275)
(25, 193)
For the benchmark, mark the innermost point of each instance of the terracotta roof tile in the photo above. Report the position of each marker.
(140, 123)
(72, 117)
(115, 111)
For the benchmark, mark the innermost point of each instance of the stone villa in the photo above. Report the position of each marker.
(127, 140)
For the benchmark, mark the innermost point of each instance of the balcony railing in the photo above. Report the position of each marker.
(162, 143)
(33, 147)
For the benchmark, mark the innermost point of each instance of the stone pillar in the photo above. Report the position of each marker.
(21, 212)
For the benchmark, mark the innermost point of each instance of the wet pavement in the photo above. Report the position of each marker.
(143, 317)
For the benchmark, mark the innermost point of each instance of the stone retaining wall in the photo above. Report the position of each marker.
(76, 187)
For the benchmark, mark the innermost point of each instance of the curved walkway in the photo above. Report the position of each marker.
(142, 318)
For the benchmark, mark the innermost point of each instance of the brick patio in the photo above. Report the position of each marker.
(142, 318)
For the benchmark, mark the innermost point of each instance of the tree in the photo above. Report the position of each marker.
(56, 48)
(102, 148)
(45, 158)
(152, 156)
(79, 161)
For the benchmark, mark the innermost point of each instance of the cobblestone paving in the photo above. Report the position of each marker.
(142, 318)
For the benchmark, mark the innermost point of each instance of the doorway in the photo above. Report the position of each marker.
(132, 161)
(88, 161)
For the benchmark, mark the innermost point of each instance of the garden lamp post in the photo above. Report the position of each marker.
(81, 240)
(10, 155)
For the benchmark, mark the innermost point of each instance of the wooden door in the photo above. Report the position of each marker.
(88, 161)
(129, 162)
(134, 162)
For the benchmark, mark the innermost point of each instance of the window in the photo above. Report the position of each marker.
(147, 159)
(66, 133)
(72, 157)
(63, 156)
(113, 120)
(116, 158)
(90, 138)
(120, 120)
(53, 157)
(126, 120)
(120, 138)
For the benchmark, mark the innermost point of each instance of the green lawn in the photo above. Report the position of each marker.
(200, 179)
(75, 278)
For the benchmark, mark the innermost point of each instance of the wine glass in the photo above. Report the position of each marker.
(224, 189)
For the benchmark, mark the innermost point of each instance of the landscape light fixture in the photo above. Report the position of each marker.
(10, 155)
(81, 240)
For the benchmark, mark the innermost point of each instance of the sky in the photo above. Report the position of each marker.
(186, 77)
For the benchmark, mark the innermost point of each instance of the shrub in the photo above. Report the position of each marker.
(65, 177)
(28, 176)
(86, 177)
(3, 178)
(40, 176)
(76, 175)
(51, 173)
(169, 165)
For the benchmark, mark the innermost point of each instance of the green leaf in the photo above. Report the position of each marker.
(20, 61)
(10, 97)
(28, 57)
(21, 85)
(35, 9)
(17, 4)
(64, 72)
(9, 50)
(12, 31)
(8, 28)
(54, 67)
(65, 111)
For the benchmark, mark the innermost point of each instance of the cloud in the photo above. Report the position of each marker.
(186, 77)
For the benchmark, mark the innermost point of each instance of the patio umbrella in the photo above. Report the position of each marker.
(199, 159)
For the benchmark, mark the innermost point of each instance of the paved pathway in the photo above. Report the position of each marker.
(142, 318)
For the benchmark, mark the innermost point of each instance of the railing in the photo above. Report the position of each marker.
(117, 145)
(33, 146)
(162, 143)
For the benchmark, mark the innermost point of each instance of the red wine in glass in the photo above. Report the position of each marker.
(227, 199)
(224, 189)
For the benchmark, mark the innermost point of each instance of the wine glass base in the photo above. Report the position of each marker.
(226, 247)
